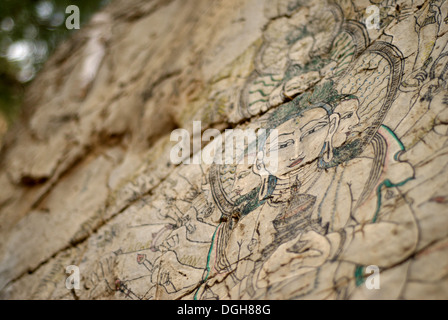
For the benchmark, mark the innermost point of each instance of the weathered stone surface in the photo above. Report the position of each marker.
(3, 127)
(362, 121)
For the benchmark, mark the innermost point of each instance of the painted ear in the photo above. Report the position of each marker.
(259, 167)
(334, 123)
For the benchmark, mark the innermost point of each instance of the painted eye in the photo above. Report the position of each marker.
(286, 144)
(347, 115)
(243, 175)
(313, 130)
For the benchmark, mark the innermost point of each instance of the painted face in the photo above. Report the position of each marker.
(299, 141)
(348, 120)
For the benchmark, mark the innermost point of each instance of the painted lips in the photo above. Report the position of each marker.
(295, 163)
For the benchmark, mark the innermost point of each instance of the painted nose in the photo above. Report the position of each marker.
(357, 121)
(297, 153)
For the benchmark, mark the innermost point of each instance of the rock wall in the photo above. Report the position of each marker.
(358, 115)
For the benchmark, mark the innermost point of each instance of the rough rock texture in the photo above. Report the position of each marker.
(362, 121)
(3, 127)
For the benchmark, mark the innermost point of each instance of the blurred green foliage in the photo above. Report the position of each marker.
(29, 32)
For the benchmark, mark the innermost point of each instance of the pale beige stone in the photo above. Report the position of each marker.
(361, 115)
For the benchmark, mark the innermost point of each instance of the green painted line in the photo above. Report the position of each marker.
(394, 136)
(338, 41)
(272, 78)
(266, 85)
(347, 52)
(208, 262)
(345, 37)
(359, 275)
(387, 183)
(261, 92)
(345, 57)
(348, 45)
(261, 100)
